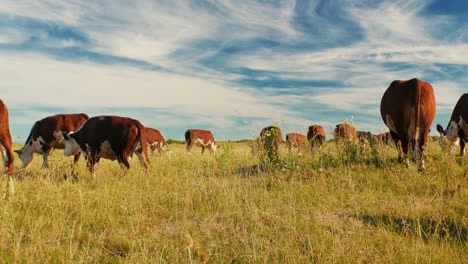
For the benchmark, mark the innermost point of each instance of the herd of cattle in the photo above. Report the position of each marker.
(407, 108)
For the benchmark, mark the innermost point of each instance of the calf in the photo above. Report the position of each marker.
(108, 137)
(408, 109)
(46, 134)
(202, 138)
(457, 128)
(5, 146)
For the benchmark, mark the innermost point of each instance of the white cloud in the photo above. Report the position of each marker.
(33, 80)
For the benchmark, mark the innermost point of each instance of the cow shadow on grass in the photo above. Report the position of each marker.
(425, 228)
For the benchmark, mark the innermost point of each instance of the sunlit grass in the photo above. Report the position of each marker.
(338, 204)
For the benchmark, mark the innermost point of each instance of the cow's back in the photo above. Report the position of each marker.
(46, 127)
(191, 135)
(460, 109)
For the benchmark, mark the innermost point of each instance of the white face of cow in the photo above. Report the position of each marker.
(449, 136)
(71, 146)
(26, 152)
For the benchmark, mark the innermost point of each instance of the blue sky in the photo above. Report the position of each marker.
(232, 67)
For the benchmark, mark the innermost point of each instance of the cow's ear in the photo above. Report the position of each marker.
(440, 129)
(18, 151)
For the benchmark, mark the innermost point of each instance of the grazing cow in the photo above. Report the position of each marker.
(272, 131)
(457, 127)
(156, 140)
(316, 135)
(5, 145)
(296, 140)
(408, 109)
(46, 134)
(347, 133)
(202, 138)
(270, 138)
(108, 137)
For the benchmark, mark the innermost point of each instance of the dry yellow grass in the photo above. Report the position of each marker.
(337, 205)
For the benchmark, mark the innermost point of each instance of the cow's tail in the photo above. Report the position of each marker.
(416, 129)
(144, 147)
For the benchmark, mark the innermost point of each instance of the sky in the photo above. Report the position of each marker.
(231, 67)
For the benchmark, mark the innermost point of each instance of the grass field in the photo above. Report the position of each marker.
(338, 205)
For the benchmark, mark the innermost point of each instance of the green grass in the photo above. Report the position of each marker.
(345, 205)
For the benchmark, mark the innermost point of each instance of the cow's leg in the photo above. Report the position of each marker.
(73, 166)
(143, 161)
(123, 161)
(189, 146)
(45, 156)
(93, 159)
(420, 147)
(152, 148)
(461, 135)
(7, 157)
(405, 146)
(202, 150)
(398, 146)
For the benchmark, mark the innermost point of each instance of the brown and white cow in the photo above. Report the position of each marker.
(457, 127)
(5, 145)
(316, 135)
(346, 133)
(156, 140)
(108, 137)
(408, 109)
(296, 140)
(46, 134)
(202, 138)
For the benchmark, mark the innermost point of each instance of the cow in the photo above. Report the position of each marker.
(270, 138)
(156, 140)
(46, 134)
(296, 140)
(272, 131)
(408, 109)
(108, 137)
(346, 133)
(316, 135)
(457, 128)
(202, 138)
(5, 146)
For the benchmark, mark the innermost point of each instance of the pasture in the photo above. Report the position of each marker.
(339, 204)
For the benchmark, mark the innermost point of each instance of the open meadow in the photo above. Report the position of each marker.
(340, 204)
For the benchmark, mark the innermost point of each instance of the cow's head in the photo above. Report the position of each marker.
(26, 152)
(71, 146)
(449, 136)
